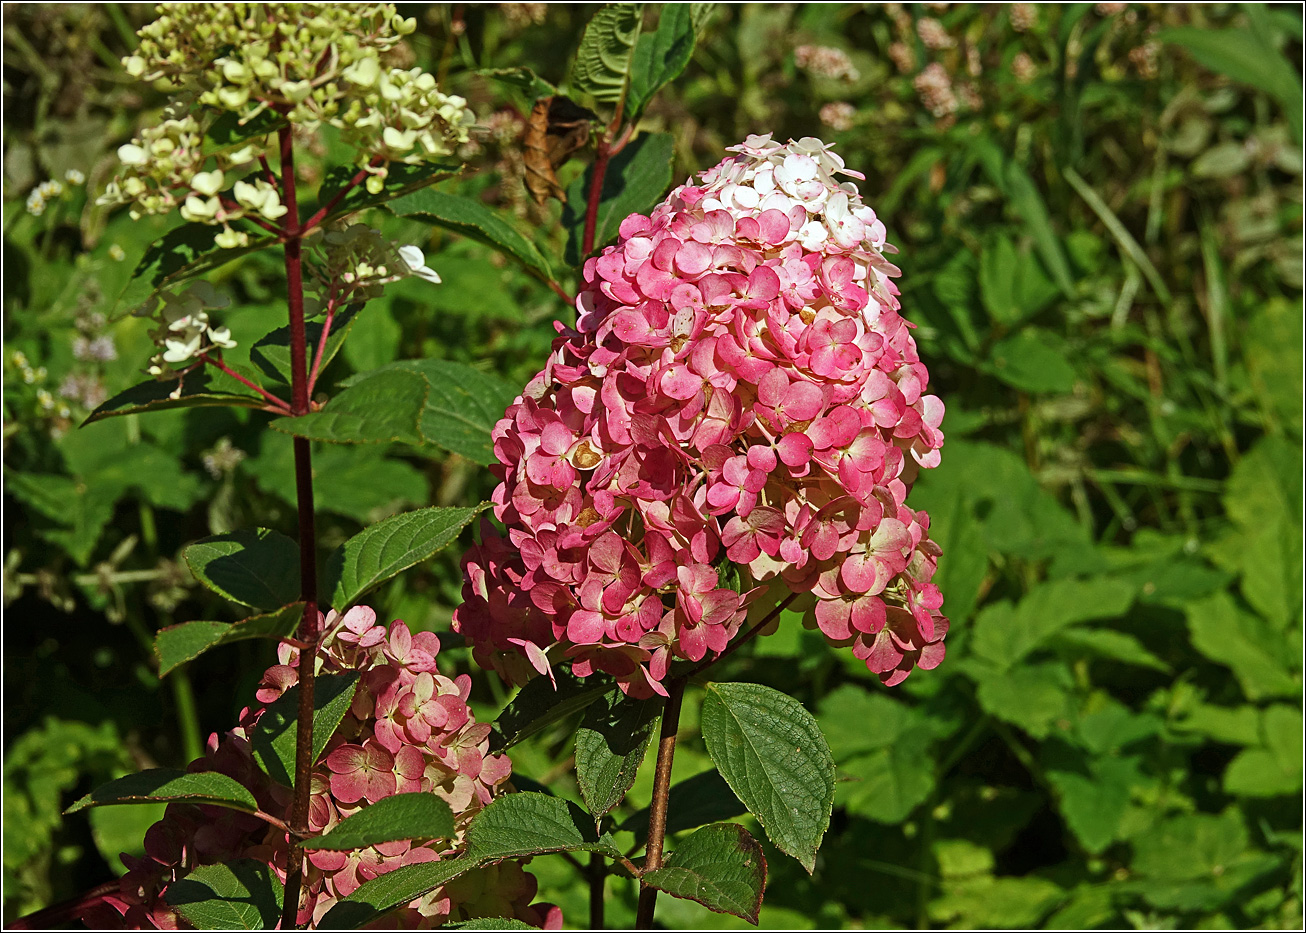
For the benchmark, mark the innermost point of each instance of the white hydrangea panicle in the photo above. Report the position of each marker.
(184, 329)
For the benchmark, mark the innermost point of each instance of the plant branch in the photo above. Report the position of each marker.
(278, 402)
(598, 874)
(231, 205)
(657, 810)
(596, 185)
(329, 206)
(322, 341)
(308, 629)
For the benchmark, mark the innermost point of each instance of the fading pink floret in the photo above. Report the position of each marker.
(408, 730)
(739, 387)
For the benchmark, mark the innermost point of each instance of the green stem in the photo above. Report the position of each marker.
(183, 694)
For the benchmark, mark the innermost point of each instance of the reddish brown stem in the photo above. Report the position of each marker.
(279, 403)
(236, 206)
(596, 193)
(322, 341)
(329, 206)
(308, 629)
(657, 810)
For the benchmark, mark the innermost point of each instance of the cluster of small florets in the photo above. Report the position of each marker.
(825, 61)
(408, 730)
(183, 327)
(354, 262)
(740, 397)
(310, 63)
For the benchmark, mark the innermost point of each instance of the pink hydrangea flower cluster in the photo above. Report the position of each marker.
(408, 730)
(739, 388)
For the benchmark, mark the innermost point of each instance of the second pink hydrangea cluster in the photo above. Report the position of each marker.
(739, 389)
(408, 729)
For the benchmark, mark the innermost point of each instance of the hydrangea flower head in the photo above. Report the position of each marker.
(407, 730)
(740, 399)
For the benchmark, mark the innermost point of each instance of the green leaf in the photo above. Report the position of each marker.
(720, 866)
(228, 131)
(1004, 634)
(1239, 641)
(1094, 793)
(389, 547)
(771, 752)
(206, 387)
(610, 746)
(1025, 198)
(1275, 769)
(402, 816)
(182, 253)
(490, 923)
(1032, 696)
(987, 902)
(606, 52)
(271, 353)
(120, 831)
(380, 408)
(239, 895)
(1247, 58)
(463, 405)
(358, 482)
(1128, 245)
(177, 644)
(273, 740)
(386, 892)
(891, 782)
(85, 508)
(254, 567)
(1108, 644)
(703, 798)
(1012, 286)
(523, 79)
(636, 178)
(162, 784)
(522, 824)
(476, 221)
(401, 179)
(1033, 361)
(661, 56)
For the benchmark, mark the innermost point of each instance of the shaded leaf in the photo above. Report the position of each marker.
(162, 784)
(271, 353)
(701, 799)
(401, 816)
(181, 254)
(386, 892)
(720, 866)
(255, 567)
(273, 741)
(229, 131)
(382, 407)
(539, 704)
(635, 179)
(204, 387)
(389, 547)
(661, 56)
(1031, 360)
(610, 746)
(401, 179)
(177, 644)
(239, 895)
(771, 752)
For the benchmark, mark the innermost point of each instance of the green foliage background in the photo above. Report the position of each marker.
(1102, 250)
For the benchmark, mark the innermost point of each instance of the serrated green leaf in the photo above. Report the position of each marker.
(490, 923)
(162, 784)
(607, 48)
(540, 703)
(523, 824)
(177, 644)
(888, 784)
(771, 752)
(610, 746)
(239, 895)
(380, 551)
(523, 79)
(1275, 768)
(1241, 642)
(383, 407)
(1094, 793)
(386, 892)
(402, 816)
(463, 405)
(1032, 696)
(1108, 644)
(206, 387)
(273, 741)
(635, 179)
(720, 866)
(401, 179)
(696, 801)
(255, 567)
(661, 56)
(1012, 286)
(271, 353)
(476, 221)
